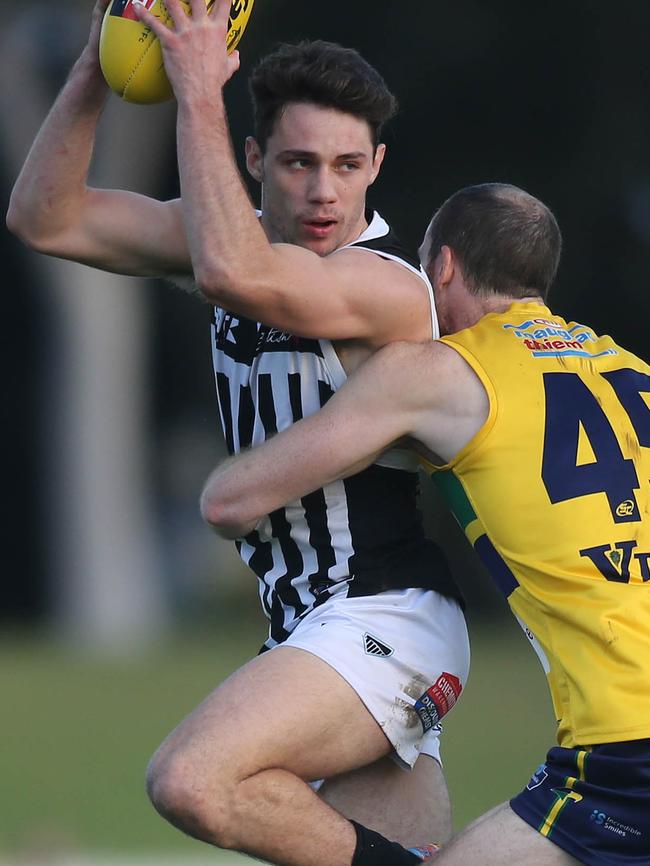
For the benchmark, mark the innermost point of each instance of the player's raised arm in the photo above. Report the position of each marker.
(315, 163)
(54, 211)
(299, 287)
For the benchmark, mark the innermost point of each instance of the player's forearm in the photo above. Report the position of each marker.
(245, 488)
(231, 255)
(338, 441)
(49, 192)
(225, 507)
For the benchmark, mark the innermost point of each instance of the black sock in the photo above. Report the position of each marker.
(374, 850)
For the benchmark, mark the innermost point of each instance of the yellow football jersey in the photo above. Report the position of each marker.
(554, 494)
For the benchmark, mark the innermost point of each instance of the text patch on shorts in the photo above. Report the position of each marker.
(438, 700)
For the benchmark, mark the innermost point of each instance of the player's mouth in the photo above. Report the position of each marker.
(319, 228)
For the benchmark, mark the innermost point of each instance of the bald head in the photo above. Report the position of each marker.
(506, 241)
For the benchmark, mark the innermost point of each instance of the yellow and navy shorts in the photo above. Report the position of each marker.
(594, 802)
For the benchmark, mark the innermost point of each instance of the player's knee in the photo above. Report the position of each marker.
(169, 787)
(191, 800)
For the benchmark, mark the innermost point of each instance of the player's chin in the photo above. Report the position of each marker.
(322, 246)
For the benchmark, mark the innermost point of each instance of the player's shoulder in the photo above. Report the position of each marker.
(408, 364)
(421, 352)
(407, 359)
(379, 238)
(382, 258)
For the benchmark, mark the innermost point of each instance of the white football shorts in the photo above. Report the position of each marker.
(405, 653)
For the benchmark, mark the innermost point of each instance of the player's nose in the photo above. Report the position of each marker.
(322, 187)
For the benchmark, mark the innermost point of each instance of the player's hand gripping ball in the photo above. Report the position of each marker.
(130, 54)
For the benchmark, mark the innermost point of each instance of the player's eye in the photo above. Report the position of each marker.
(298, 163)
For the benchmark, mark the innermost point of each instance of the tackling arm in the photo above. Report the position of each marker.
(423, 391)
(370, 412)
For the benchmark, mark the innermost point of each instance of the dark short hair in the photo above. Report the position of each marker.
(322, 73)
(506, 241)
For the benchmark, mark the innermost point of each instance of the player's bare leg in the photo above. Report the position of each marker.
(409, 807)
(235, 772)
(502, 838)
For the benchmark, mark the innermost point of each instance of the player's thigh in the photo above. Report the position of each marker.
(408, 806)
(284, 709)
(502, 838)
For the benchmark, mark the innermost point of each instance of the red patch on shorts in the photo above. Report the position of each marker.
(438, 700)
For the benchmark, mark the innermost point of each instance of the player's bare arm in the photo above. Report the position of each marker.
(54, 211)
(349, 295)
(423, 391)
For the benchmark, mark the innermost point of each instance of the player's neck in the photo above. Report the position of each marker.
(469, 309)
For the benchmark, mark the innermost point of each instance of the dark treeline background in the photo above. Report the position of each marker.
(552, 97)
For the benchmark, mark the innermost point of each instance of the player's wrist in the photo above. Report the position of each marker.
(202, 113)
(88, 62)
(200, 100)
(87, 74)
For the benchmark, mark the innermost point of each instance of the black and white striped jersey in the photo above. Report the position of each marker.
(354, 537)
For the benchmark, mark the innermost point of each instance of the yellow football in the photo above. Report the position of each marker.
(130, 54)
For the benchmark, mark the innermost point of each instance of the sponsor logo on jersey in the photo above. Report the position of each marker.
(602, 819)
(438, 700)
(538, 778)
(124, 8)
(548, 337)
(274, 336)
(375, 647)
(626, 508)
(244, 340)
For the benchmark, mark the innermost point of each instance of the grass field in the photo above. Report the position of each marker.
(77, 732)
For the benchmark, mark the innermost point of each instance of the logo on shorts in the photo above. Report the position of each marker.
(539, 777)
(438, 700)
(375, 647)
(619, 828)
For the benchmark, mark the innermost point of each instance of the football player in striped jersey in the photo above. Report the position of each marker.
(353, 680)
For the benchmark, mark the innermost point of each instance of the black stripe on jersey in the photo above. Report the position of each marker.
(320, 539)
(315, 506)
(223, 392)
(284, 592)
(261, 562)
(295, 396)
(266, 405)
(324, 392)
(246, 420)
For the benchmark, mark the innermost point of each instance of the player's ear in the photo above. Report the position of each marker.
(444, 266)
(254, 159)
(380, 153)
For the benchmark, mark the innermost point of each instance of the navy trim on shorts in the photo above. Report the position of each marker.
(593, 802)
